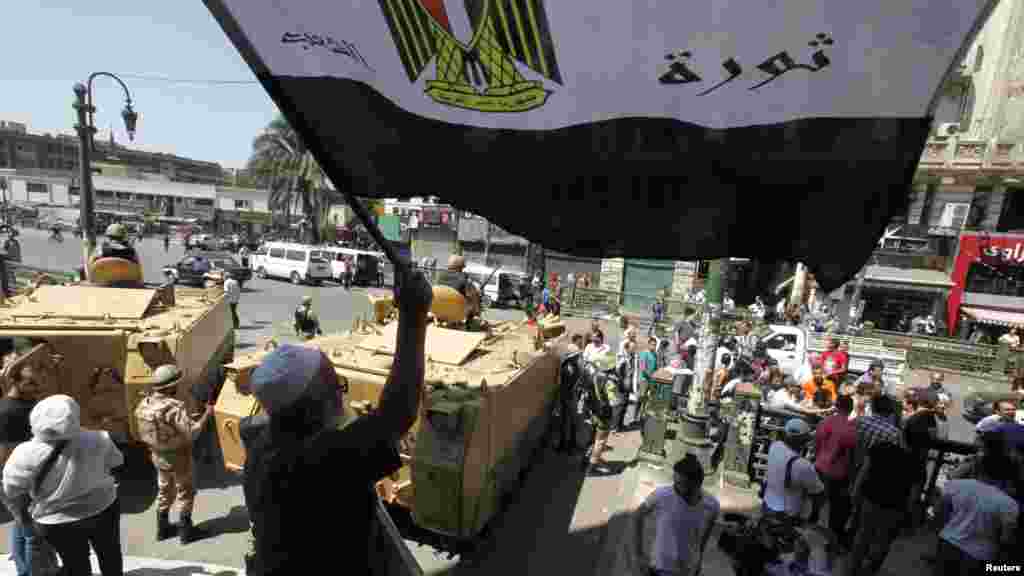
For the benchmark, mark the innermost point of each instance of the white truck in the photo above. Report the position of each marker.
(790, 345)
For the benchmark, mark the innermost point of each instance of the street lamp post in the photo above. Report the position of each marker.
(3, 190)
(86, 130)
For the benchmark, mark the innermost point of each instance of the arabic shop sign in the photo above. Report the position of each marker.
(1009, 255)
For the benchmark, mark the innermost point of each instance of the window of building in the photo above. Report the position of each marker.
(979, 57)
(124, 195)
(242, 205)
(999, 281)
(104, 194)
(37, 187)
(966, 107)
(1012, 214)
(202, 202)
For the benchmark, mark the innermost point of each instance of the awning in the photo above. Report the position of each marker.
(918, 279)
(995, 317)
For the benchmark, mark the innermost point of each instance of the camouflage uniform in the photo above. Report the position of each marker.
(164, 424)
(174, 468)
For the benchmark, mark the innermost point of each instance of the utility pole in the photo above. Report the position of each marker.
(87, 212)
(796, 293)
(487, 242)
(694, 429)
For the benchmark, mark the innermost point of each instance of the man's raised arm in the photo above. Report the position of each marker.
(400, 399)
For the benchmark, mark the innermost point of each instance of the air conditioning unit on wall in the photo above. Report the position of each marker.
(954, 215)
(947, 129)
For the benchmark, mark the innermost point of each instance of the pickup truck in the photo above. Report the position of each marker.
(790, 345)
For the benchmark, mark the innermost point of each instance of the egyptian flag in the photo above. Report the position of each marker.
(663, 130)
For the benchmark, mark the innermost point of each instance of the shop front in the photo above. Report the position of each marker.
(892, 296)
(988, 295)
(244, 222)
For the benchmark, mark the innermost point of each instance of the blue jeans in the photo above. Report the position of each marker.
(21, 548)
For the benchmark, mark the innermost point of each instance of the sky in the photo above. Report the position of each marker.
(46, 56)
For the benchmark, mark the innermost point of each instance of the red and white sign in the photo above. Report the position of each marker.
(1007, 248)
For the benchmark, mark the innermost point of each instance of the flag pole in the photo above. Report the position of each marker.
(371, 227)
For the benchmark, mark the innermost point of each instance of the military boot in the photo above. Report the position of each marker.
(188, 533)
(164, 528)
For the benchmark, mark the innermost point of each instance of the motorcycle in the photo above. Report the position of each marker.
(775, 544)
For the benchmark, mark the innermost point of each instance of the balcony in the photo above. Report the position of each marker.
(954, 154)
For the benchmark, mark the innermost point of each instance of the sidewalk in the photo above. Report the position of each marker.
(618, 557)
(150, 567)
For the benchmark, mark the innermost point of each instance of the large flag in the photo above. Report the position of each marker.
(665, 129)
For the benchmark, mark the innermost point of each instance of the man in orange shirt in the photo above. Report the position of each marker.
(819, 382)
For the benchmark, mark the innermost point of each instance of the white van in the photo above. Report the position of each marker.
(297, 262)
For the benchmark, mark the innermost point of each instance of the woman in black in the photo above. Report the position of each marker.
(15, 408)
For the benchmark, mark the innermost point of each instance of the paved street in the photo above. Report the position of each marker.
(557, 524)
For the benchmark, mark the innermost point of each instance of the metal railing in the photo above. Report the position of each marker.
(952, 355)
(19, 276)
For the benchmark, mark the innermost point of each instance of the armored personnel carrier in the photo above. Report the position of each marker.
(100, 345)
(485, 410)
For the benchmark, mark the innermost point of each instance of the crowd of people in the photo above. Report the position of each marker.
(870, 467)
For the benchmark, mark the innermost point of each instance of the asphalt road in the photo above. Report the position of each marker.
(556, 524)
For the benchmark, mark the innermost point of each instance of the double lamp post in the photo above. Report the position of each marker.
(86, 130)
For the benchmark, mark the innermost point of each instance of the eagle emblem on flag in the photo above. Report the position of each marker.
(479, 48)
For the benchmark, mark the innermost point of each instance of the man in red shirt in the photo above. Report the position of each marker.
(834, 441)
(834, 361)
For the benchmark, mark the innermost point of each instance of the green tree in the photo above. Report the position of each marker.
(280, 158)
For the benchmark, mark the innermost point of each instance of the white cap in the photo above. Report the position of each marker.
(56, 417)
(284, 375)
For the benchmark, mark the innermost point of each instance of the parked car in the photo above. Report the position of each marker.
(203, 242)
(192, 268)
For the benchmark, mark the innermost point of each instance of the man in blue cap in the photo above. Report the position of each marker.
(302, 471)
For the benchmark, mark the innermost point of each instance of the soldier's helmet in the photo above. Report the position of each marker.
(117, 231)
(166, 376)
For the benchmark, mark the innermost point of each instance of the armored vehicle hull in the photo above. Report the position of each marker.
(101, 345)
(484, 411)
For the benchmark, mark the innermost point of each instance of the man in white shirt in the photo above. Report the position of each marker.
(597, 349)
(684, 516)
(978, 520)
(233, 292)
(791, 479)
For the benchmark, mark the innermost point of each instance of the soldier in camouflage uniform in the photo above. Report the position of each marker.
(166, 427)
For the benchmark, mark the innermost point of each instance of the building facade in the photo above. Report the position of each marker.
(968, 192)
(58, 153)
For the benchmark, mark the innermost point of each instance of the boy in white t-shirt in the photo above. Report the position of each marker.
(684, 516)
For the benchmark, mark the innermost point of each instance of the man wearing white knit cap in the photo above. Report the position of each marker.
(302, 470)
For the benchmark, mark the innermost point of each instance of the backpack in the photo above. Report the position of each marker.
(154, 429)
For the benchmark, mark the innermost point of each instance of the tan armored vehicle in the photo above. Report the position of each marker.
(99, 345)
(485, 409)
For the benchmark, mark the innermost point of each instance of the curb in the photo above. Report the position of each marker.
(138, 566)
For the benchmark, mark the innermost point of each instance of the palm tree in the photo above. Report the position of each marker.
(281, 159)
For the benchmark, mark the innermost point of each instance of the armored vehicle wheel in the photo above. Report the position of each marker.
(296, 279)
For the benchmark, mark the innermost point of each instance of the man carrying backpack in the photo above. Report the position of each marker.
(166, 427)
